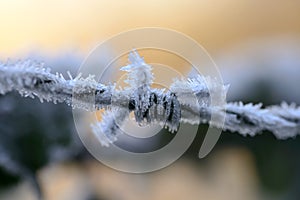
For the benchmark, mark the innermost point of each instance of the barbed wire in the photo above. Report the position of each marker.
(187, 101)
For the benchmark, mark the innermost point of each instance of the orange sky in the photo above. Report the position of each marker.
(58, 24)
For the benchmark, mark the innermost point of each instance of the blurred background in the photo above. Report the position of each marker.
(256, 45)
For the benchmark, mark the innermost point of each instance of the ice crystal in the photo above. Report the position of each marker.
(249, 119)
(139, 73)
(107, 130)
(197, 92)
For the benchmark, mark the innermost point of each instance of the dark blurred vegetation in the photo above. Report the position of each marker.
(33, 135)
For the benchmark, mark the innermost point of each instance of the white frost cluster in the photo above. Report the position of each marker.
(139, 73)
(282, 121)
(199, 90)
(34, 80)
(108, 129)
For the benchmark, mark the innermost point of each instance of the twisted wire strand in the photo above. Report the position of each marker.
(151, 105)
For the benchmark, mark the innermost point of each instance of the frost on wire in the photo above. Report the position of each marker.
(187, 101)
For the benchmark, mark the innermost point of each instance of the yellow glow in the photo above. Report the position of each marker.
(57, 24)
